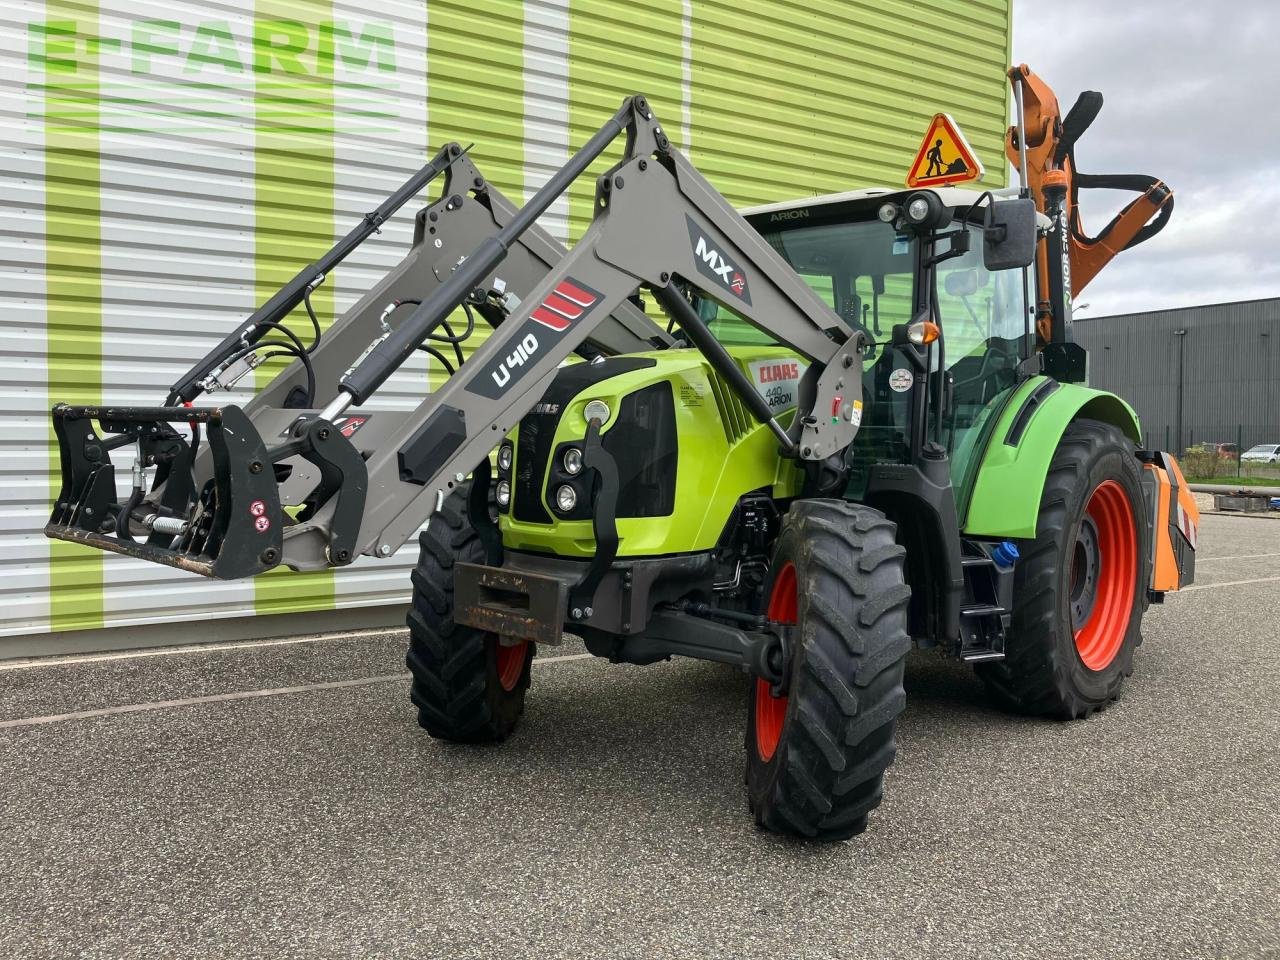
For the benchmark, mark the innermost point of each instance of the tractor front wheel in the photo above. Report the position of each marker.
(817, 749)
(468, 686)
(1080, 589)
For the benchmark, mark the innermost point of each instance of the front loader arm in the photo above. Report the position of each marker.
(658, 223)
(468, 210)
(656, 219)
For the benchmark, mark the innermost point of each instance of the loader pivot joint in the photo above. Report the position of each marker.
(344, 481)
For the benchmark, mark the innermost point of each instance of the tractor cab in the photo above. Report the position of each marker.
(936, 281)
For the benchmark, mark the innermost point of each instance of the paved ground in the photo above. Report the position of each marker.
(319, 823)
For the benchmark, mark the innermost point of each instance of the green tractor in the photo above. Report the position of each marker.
(854, 430)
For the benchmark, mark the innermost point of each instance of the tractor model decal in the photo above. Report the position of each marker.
(711, 263)
(778, 381)
(568, 303)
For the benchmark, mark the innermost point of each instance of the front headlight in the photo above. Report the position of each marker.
(596, 410)
(566, 498)
(503, 493)
(572, 461)
(505, 456)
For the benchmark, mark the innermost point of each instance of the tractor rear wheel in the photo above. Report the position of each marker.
(816, 754)
(1080, 589)
(467, 685)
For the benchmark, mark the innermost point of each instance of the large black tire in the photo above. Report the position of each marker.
(466, 686)
(1073, 574)
(832, 735)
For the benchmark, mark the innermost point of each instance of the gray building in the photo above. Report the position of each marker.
(1207, 373)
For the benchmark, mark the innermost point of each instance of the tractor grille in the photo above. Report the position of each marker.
(734, 416)
(537, 431)
(646, 450)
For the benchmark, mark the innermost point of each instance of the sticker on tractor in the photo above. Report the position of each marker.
(944, 157)
(692, 392)
(262, 524)
(855, 415)
(900, 380)
(347, 426)
(569, 302)
(778, 381)
(711, 263)
(258, 508)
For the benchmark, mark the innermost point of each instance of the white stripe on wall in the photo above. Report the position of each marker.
(24, 417)
(177, 224)
(546, 104)
(380, 138)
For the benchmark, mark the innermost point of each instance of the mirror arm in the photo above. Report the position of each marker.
(959, 247)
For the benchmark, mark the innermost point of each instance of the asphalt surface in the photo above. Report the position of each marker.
(321, 823)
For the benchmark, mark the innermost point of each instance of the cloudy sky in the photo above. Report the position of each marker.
(1191, 97)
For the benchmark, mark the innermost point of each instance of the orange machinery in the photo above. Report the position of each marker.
(1069, 258)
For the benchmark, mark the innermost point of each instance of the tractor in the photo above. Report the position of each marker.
(797, 439)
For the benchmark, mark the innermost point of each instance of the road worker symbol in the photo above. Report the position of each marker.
(944, 157)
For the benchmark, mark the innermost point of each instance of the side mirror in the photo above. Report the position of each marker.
(1009, 234)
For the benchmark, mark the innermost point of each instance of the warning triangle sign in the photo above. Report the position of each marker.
(944, 157)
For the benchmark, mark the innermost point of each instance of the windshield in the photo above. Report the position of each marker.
(983, 324)
(976, 306)
(865, 270)
(862, 270)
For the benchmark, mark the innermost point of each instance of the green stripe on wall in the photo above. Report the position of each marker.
(475, 85)
(609, 59)
(791, 100)
(475, 94)
(73, 264)
(293, 205)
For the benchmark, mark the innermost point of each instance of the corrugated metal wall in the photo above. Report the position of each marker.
(166, 164)
(1230, 370)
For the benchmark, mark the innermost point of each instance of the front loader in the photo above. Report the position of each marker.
(846, 437)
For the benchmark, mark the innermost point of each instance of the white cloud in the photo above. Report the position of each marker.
(1189, 91)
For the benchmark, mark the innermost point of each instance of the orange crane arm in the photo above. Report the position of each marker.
(1055, 182)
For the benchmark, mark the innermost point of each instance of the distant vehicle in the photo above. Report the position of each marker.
(1227, 451)
(1262, 453)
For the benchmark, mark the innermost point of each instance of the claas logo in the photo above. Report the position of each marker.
(773, 372)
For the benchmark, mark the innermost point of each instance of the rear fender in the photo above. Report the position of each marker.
(1006, 494)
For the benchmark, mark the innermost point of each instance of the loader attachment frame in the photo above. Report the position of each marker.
(657, 224)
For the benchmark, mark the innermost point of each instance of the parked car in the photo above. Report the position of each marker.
(1262, 453)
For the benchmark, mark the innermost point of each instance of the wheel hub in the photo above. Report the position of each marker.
(1084, 573)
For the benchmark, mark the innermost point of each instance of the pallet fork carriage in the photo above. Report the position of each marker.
(850, 436)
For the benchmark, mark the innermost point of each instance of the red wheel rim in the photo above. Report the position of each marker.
(784, 602)
(1101, 634)
(511, 663)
